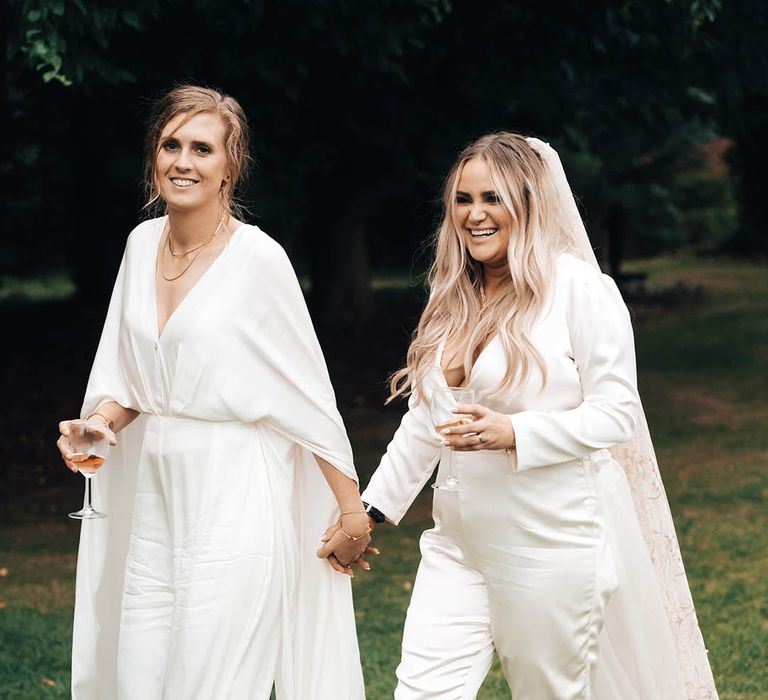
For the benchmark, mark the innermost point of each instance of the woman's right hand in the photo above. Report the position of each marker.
(66, 449)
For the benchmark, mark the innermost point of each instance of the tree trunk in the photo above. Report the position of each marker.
(617, 237)
(339, 268)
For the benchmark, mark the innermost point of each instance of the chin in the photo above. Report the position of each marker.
(494, 259)
(176, 202)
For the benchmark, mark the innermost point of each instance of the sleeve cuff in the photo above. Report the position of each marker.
(519, 458)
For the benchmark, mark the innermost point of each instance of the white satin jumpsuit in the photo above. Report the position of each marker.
(519, 561)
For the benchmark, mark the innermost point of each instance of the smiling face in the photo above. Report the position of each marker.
(191, 162)
(483, 219)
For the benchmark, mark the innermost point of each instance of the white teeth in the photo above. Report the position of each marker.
(482, 232)
(179, 182)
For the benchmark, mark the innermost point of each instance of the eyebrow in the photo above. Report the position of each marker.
(487, 193)
(195, 144)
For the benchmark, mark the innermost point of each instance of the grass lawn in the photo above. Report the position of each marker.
(705, 387)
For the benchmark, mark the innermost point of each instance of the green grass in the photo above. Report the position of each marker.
(705, 389)
(36, 587)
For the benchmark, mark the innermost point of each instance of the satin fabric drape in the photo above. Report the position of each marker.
(214, 501)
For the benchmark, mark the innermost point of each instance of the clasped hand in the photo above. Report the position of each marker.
(346, 543)
(482, 429)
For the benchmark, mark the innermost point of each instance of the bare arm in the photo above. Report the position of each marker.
(348, 541)
(344, 489)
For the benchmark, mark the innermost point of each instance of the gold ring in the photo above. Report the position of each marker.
(480, 438)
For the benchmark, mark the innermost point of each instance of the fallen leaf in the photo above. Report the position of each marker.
(48, 681)
(407, 585)
(3, 570)
(2, 604)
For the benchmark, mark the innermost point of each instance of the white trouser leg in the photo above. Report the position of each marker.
(538, 539)
(203, 584)
(546, 613)
(447, 645)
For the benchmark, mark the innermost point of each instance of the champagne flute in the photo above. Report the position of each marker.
(441, 405)
(90, 444)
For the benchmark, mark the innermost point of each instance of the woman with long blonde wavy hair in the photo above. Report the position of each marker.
(553, 546)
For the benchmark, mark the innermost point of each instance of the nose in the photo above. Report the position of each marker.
(183, 161)
(477, 213)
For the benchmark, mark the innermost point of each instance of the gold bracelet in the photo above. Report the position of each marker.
(107, 422)
(509, 450)
(350, 537)
(345, 533)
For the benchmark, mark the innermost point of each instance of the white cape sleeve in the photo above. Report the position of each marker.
(295, 398)
(104, 543)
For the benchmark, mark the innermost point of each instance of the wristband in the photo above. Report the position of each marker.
(376, 515)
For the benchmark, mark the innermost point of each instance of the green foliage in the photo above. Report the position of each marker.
(67, 41)
(372, 100)
(736, 62)
(707, 211)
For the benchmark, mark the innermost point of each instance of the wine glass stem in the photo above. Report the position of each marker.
(88, 493)
(452, 464)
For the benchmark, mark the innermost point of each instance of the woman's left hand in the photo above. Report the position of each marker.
(485, 430)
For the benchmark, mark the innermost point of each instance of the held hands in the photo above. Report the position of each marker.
(483, 429)
(347, 542)
(67, 453)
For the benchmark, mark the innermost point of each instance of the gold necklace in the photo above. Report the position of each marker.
(191, 250)
(198, 248)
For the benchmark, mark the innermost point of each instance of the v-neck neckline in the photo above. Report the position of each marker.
(467, 380)
(158, 332)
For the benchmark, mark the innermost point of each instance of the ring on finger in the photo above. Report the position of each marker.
(480, 438)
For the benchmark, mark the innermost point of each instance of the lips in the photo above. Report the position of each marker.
(482, 232)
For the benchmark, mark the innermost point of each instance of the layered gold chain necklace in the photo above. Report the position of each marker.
(196, 250)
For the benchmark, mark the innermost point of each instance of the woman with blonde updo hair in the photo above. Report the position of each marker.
(229, 455)
(553, 546)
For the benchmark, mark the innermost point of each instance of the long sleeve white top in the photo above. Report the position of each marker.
(588, 402)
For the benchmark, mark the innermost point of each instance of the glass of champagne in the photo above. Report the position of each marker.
(89, 444)
(441, 405)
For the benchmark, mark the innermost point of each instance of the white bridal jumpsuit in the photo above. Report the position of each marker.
(202, 583)
(540, 557)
